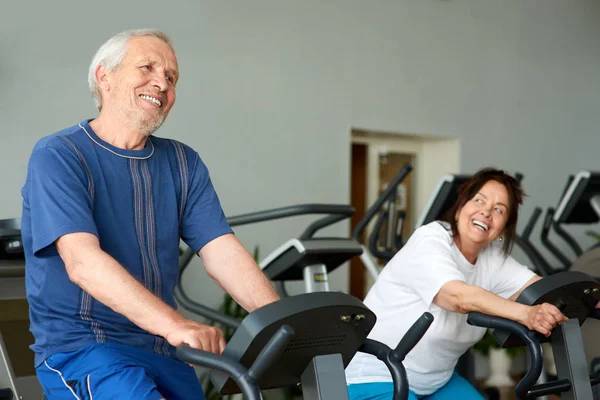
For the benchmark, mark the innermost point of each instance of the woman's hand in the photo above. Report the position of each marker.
(543, 318)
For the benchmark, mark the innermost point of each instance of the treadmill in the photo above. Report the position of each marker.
(306, 258)
(579, 204)
(442, 199)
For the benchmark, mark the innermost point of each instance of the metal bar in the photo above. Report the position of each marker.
(324, 379)
(569, 357)
(316, 278)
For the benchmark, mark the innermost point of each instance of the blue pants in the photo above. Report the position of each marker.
(456, 388)
(115, 372)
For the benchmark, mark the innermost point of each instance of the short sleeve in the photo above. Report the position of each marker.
(58, 195)
(508, 275)
(428, 267)
(203, 218)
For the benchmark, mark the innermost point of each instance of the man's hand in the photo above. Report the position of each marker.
(197, 336)
(543, 318)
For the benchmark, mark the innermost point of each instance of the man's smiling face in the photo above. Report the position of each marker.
(142, 88)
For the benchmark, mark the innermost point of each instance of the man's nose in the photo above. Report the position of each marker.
(160, 82)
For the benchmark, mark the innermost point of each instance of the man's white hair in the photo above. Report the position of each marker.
(111, 54)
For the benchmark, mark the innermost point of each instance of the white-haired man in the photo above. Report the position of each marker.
(105, 204)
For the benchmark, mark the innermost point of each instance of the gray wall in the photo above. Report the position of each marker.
(270, 89)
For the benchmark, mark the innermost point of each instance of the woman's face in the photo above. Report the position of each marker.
(483, 218)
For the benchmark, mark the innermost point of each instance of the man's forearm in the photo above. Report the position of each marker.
(233, 268)
(257, 291)
(108, 282)
(246, 284)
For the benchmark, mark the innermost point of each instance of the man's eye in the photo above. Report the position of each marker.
(147, 67)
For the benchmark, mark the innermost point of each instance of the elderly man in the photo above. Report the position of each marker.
(105, 204)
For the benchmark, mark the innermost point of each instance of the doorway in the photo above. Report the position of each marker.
(376, 158)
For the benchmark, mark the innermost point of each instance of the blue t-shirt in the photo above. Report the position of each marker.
(139, 203)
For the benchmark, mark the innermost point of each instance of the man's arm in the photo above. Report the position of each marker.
(461, 297)
(230, 265)
(107, 281)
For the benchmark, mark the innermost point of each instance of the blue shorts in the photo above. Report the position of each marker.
(113, 371)
(456, 388)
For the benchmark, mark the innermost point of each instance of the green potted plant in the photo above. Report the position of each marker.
(593, 235)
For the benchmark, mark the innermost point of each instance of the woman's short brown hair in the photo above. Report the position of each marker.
(515, 198)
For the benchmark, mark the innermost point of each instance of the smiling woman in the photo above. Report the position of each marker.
(487, 209)
(450, 269)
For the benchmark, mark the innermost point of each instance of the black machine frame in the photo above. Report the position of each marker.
(576, 295)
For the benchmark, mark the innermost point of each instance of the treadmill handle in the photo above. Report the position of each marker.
(387, 253)
(320, 224)
(391, 188)
(531, 223)
(291, 211)
(546, 240)
(339, 211)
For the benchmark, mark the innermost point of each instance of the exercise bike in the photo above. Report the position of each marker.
(306, 340)
(576, 295)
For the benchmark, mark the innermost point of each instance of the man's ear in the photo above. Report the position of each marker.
(102, 78)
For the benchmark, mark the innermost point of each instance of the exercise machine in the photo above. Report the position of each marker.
(442, 199)
(306, 257)
(306, 340)
(444, 196)
(389, 222)
(309, 258)
(17, 373)
(576, 295)
(579, 205)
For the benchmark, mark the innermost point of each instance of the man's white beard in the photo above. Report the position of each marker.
(147, 126)
(143, 123)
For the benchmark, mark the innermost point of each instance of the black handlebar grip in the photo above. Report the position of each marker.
(235, 370)
(533, 345)
(271, 352)
(413, 335)
(397, 370)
